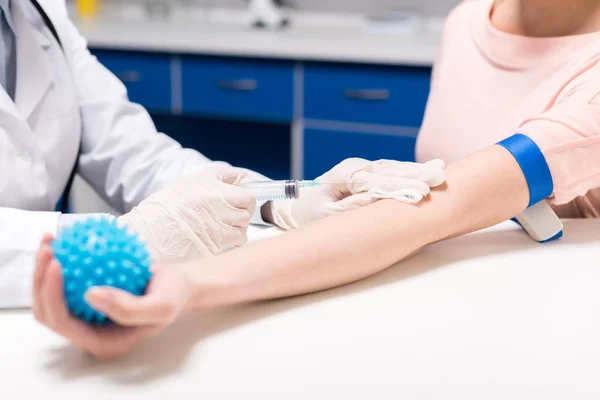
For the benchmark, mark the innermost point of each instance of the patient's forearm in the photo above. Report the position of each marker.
(481, 190)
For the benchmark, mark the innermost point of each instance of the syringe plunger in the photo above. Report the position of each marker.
(274, 190)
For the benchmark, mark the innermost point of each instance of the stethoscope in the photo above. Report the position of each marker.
(64, 203)
(47, 21)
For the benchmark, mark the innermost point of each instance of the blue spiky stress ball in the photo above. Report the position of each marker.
(97, 252)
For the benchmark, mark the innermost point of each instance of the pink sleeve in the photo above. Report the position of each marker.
(568, 133)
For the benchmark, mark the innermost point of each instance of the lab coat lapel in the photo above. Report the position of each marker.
(7, 104)
(34, 71)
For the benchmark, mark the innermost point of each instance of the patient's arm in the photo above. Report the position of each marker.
(481, 190)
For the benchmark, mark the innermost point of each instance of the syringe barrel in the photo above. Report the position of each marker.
(274, 190)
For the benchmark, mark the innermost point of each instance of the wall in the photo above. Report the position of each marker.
(429, 7)
(432, 7)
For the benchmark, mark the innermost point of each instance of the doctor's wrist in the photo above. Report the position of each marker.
(266, 212)
(282, 215)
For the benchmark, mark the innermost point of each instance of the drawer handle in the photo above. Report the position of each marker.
(367, 94)
(242, 85)
(129, 76)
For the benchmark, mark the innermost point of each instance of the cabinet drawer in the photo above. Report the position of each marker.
(364, 94)
(323, 149)
(147, 76)
(238, 88)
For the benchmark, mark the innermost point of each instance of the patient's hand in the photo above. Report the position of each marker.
(138, 318)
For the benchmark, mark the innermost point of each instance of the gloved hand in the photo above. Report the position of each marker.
(359, 183)
(196, 216)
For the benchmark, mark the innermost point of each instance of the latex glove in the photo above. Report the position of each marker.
(361, 182)
(138, 318)
(198, 215)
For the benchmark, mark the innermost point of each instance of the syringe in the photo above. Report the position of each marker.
(278, 190)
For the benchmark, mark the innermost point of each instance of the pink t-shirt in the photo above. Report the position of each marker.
(488, 85)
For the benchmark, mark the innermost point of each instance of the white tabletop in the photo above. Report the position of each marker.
(310, 37)
(492, 315)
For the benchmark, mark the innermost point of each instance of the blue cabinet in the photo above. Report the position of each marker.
(349, 110)
(323, 149)
(238, 88)
(366, 94)
(147, 76)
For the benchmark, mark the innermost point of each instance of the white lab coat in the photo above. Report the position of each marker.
(64, 98)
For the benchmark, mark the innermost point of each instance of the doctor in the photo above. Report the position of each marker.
(61, 111)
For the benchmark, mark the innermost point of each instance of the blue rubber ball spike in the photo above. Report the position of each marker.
(97, 252)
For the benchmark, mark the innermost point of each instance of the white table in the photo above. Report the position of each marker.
(337, 38)
(492, 315)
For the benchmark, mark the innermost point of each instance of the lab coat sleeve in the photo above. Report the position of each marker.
(20, 235)
(21, 231)
(123, 157)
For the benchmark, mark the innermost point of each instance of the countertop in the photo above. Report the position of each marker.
(491, 315)
(343, 38)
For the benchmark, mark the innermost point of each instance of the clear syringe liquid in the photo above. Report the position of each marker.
(277, 190)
